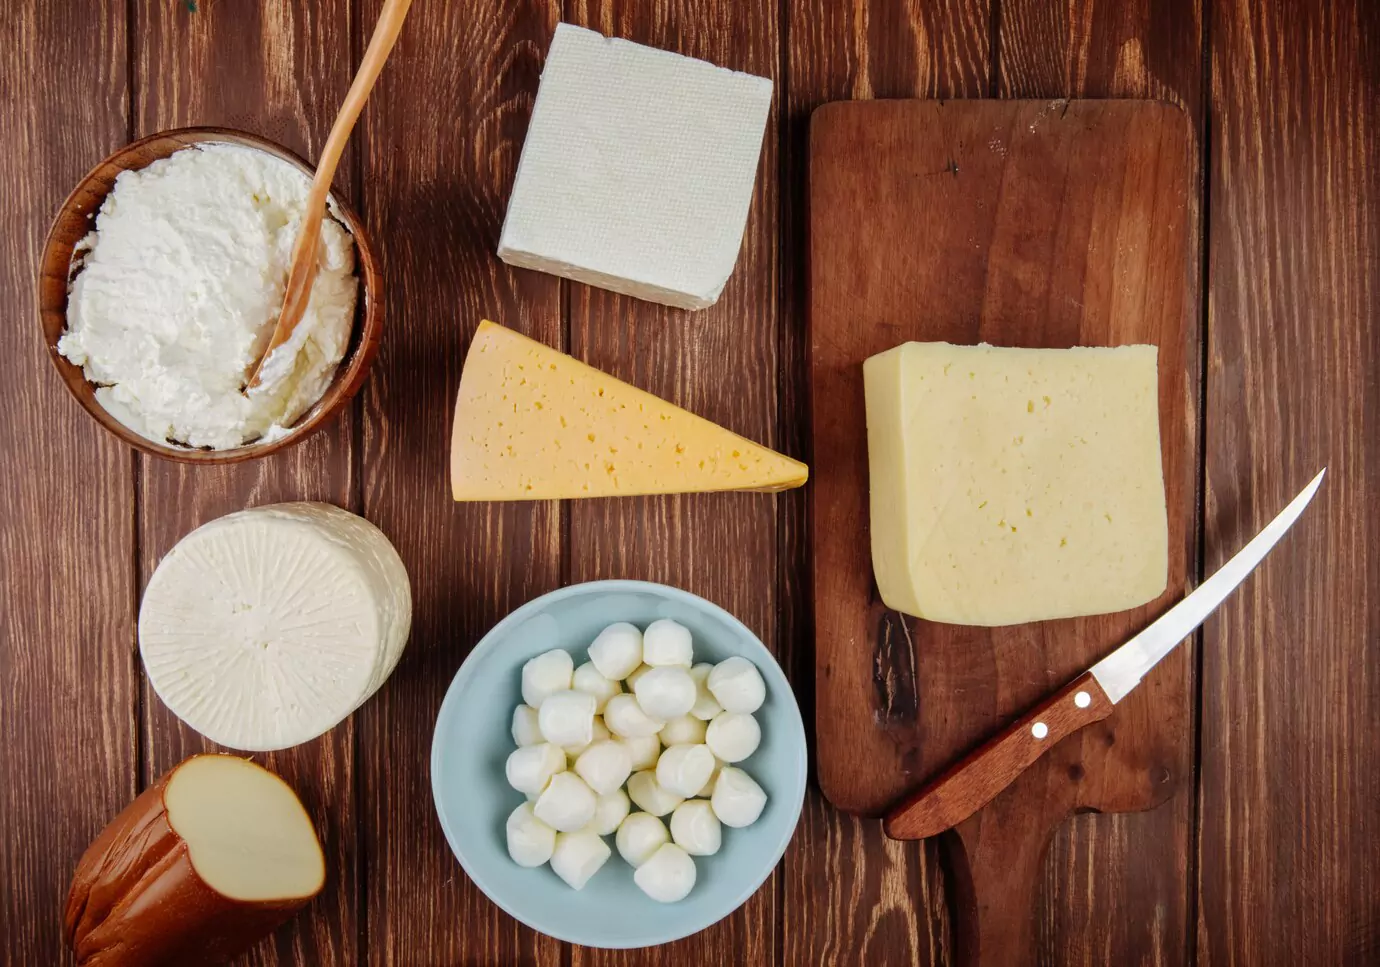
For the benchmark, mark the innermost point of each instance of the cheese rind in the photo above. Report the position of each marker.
(1014, 485)
(532, 423)
(637, 170)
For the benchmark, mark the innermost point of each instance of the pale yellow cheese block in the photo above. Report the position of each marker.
(532, 423)
(1015, 485)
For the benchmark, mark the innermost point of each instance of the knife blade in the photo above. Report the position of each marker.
(976, 780)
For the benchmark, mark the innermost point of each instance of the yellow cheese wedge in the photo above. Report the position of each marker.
(532, 423)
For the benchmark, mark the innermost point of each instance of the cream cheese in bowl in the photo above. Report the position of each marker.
(176, 292)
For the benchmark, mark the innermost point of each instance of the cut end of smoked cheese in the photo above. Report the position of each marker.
(532, 423)
(1015, 485)
(196, 870)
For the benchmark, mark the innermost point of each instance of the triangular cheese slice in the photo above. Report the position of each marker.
(532, 423)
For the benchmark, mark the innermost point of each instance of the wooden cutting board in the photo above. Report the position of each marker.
(1017, 223)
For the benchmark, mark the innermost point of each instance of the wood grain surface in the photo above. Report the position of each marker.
(1273, 862)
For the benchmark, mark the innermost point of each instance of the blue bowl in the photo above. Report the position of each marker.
(472, 742)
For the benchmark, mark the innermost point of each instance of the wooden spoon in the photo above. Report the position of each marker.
(304, 252)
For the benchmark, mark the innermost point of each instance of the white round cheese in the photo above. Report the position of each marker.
(639, 836)
(733, 736)
(530, 841)
(265, 628)
(737, 685)
(578, 856)
(668, 875)
(737, 799)
(667, 642)
(695, 828)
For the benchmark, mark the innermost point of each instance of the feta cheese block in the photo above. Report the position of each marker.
(532, 423)
(265, 628)
(636, 174)
(1015, 485)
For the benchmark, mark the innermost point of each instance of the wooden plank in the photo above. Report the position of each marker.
(278, 70)
(720, 363)
(851, 897)
(1288, 857)
(1115, 888)
(67, 705)
(440, 142)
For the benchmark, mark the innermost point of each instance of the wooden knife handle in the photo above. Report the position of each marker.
(975, 780)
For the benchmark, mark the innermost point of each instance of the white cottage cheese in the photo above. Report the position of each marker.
(178, 291)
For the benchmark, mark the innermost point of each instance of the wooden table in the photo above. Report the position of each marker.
(1268, 854)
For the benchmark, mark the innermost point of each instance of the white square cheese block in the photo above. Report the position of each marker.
(1014, 485)
(637, 171)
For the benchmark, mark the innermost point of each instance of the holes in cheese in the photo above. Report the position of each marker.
(196, 870)
(532, 423)
(1014, 485)
(265, 628)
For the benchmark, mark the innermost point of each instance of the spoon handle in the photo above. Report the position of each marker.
(302, 273)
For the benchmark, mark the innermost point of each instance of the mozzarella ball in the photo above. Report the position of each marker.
(530, 841)
(599, 733)
(707, 789)
(617, 651)
(530, 768)
(588, 679)
(625, 718)
(578, 856)
(696, 829)
(733, 736)
(605, 766)
(737, 685)
(609, 813)
(682, 730)
(567, 804)
(706, 705)
(637, 673)
(737, 799)
(567, 718)
(526, 731)
(547, 673)
(641, 835)
(667, 642)
(666, 692)
(668, 875)
(643, 751)
(649, 795)
(684, 769)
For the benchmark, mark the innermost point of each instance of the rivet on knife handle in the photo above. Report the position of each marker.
(975, 781)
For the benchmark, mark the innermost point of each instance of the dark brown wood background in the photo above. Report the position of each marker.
(1271, 855)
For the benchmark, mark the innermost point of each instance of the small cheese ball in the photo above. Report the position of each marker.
(640, 835)
(567, 804)
(667, 642)
(696, 829)
(578, 856)
(526, 731)
(530, 841)
(684, 769)
(737, 799)
(588, 679)
(605, 766)
(649, 795)
(617, 651)
(637, 673)
(599, 733)
(706, 705)
(668, 875)
(666, 692)
(547, 673)
(609, 813)
(625, 717)
(737, 685)
(733, 736)
(531, 767)
(566, 718)
(643, 751)
(682, 730)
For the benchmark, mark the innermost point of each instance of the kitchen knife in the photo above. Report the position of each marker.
(974, 781)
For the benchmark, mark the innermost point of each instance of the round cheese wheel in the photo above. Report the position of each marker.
(265, 628)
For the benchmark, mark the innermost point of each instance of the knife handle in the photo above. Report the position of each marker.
(975, 780)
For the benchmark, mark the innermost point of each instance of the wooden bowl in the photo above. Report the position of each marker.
(76, 219)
